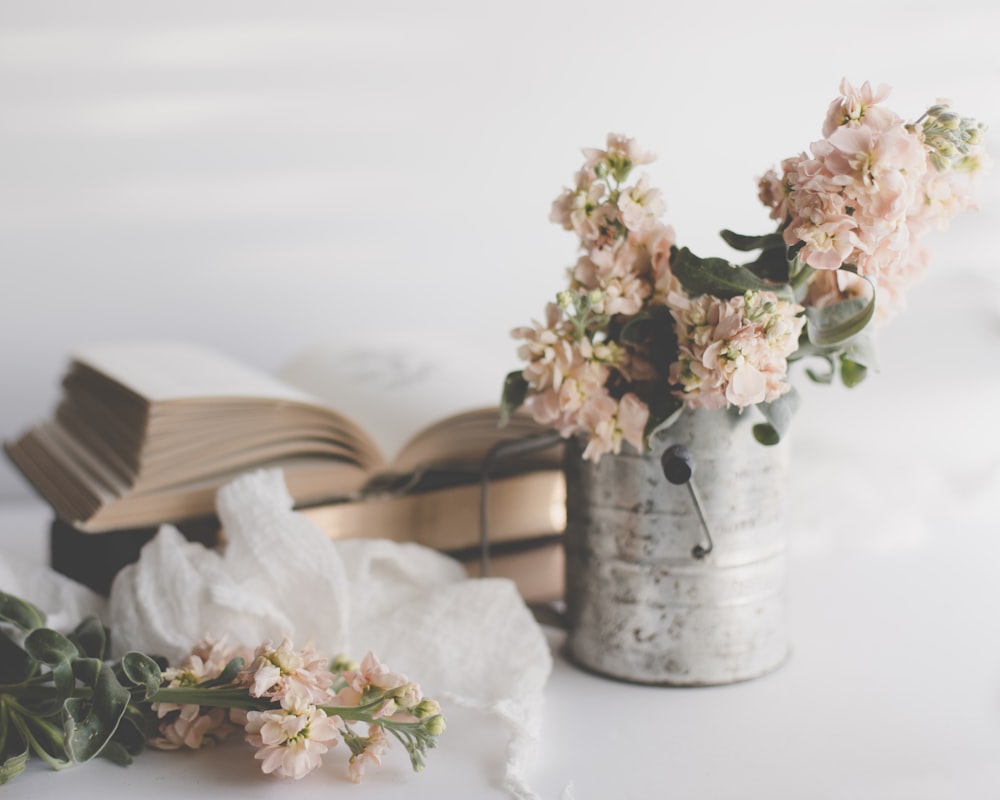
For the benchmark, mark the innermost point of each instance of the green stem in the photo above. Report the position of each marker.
(212, 698)
(18, 703)
(55, 738)
(4, 723)
(35, 680)
(239, 698)
(801, 276)
(359, 713)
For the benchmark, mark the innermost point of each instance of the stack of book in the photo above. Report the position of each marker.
(372, 443)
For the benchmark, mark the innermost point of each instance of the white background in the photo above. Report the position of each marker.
(261, 176)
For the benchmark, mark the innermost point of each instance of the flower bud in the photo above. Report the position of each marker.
(940, 164)
(408, 695)
(973, 135)
(435, 726)
(620, 168)
(950, 120)
(342, 663)
(427, 708)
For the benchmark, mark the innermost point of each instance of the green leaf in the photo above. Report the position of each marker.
(737, 241)
(91, 638)
(130, 737)
(851, 372)
(766, 434)
(116, 753)
(857, 359)
(20, 613)
(65, 683)
(826, 377)
(861, 350)
(227, 676)
(718, 277)
(778, 415)
(799, 275)
(515, 389)
(664, 410)
(90, 724)
(49, 646)
(834, 324)
(15, 664)
(86, 670)
(52, 648)
(13, 764)
(655, 323)
(653, 331)
(771, 265)
(46, 740)
(14, 748)
(142, 672)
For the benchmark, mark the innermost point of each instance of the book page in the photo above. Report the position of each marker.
(162, 371)
(395, 387)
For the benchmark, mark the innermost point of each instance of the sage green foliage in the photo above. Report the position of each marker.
(837, 334)
(60, 698)
(778, 417)
(720, 278)
(835, 324)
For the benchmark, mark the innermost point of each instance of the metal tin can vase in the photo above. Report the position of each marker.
(640, 606)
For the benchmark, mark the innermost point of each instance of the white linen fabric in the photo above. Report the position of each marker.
(469, 642)
(65, 602)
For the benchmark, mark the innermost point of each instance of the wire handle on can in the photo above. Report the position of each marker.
(678, 468)
(506, 448)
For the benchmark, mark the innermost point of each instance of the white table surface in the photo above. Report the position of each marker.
(892, 689)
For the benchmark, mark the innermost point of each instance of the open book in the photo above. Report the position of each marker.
(382, 442)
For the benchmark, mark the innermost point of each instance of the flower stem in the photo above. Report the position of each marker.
(217, 698)
(801, 276)
(355, 713)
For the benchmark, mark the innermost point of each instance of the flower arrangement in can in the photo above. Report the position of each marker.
(646, 329)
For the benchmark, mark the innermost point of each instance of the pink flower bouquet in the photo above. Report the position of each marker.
(64, 701)
(647, 329)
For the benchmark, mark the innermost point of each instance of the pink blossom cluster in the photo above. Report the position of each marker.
(190, 724)
(295, 706)
(623, 268)
(639, 333)
(625, 247)
(292, 738)
(582, 378)
(869, 190)
(568, 372)
(734, 352)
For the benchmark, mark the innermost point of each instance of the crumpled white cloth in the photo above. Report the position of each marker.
(470, 642)
(65, 602)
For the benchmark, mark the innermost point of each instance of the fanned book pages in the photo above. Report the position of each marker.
(146, 432)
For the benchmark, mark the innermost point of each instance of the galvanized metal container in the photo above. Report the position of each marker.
(640, 607)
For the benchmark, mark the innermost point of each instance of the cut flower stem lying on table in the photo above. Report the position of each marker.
(63, 701)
